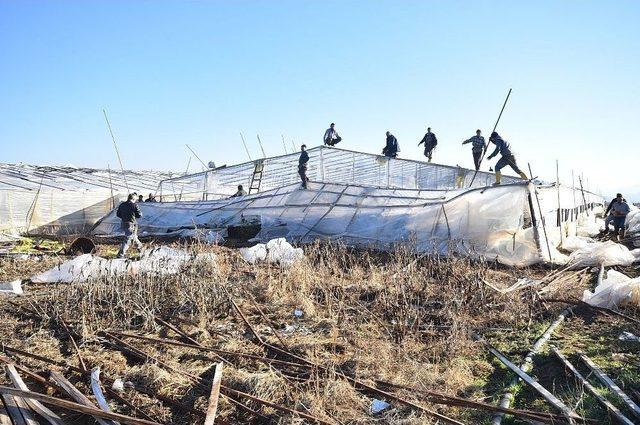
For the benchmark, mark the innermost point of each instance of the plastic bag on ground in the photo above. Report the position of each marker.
(590, 228)
(604, 253)
(281, 252)
(574, 243)
(617, 289)
(276, 251)
(254, 254)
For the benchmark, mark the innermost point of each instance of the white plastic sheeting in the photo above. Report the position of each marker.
(494, 222)
(326, 164)
(63, 200)
(161, 261)
(276, 251)
(617, 289)
(607, 253)
(11, 288)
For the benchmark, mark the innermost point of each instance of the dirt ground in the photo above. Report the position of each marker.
(318, 341)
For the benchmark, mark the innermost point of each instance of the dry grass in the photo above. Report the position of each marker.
(393, 317)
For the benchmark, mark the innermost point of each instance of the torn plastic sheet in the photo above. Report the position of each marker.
(378, 406)
(162, 261)
(603, 253)
(617, 289)
(276, 251)
(574, 243)
(11, 288)
(628, 336)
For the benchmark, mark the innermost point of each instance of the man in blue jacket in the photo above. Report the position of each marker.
(506, 157)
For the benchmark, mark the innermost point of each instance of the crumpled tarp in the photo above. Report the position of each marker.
(11, 288)
(607, 253)
(161, 261)
(617, 289)
(276, 251)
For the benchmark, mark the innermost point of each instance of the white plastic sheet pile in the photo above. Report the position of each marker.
(276, 251)
(574, 243)
(11, 288)
(162, 261)
(607, 253)
(617, 289)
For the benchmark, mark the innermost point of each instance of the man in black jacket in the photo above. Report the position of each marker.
(302, 165)
(128, 212)
(391, 148)
(430, 141)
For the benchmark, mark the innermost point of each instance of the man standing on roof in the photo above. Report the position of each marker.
(478, 146)
(302, 165)
(430, 141)
(506, 157)
(391, 148)
(331, 137)
(128, 212)
(609, 217)
(619, 210)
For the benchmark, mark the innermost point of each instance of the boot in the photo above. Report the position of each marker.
(498, 178)
(523, 176)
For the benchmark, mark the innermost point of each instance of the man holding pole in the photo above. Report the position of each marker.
(506, 157)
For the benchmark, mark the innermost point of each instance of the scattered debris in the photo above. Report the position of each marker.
(378, 406)
(628, 336)
(635, 409)
(617, 289)
(610, 407)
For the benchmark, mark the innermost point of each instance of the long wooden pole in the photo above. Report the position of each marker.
(494, 129)
(245, 146)
(264, 155)
(197, 157)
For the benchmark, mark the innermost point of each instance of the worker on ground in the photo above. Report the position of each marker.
(609, 214)
(619, 210)
(478, 147)
(240, 192)
(331, 137)
(128, 213)
(302, 165)
(140, 198)
(151, 198)
(506, 157)
(391, 148)
(430, 141)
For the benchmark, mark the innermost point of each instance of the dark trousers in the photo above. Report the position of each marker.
(508, 160)
(476, 159)
(302, 171)
(618, 223)
(333, 142)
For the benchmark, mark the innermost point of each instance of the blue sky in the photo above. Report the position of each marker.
(172, 73)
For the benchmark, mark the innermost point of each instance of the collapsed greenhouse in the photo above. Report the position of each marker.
(55, 201)
(365, 200)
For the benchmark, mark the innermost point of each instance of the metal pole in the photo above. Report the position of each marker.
(264, 155)
(245, 146)
(542, 220)
(115, 145)
(197, 157)
(284, 144)
(558, 190)
(494, 129)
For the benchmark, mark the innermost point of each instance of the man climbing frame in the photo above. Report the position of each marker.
(506, 157)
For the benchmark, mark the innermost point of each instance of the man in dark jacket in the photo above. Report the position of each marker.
(477, 147)
(302, 165)
(430, 141)
(331, 137)
(506, 157)
(391, 148)
(128, 212)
